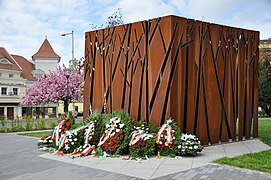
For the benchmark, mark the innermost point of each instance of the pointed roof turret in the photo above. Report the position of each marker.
(46, 51)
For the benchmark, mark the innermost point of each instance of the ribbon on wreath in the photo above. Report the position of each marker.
(168, 129)
(91, 126)
(64, 138)
(113, 123)
(137, 135)
(85, 152)
(57, 131)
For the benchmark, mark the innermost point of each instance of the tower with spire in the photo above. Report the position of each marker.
(45, 59)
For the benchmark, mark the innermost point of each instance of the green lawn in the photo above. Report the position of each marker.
(257, 161)
(36, 134)
(265, 131)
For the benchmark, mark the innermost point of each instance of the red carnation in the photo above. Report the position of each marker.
(68, 124)
(115, 146)
(111, 143)
(111, 149)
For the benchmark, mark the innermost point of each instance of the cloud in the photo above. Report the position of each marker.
(25, 23)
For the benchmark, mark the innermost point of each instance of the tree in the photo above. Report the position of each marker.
(114, 20)
(63, 84)
(265, 83)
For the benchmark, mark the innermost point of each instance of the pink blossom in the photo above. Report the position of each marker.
(54, 86)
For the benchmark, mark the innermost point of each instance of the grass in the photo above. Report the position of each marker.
(36, 134)
(256, 161)
(265, 131)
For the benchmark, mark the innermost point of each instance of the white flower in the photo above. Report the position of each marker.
(85, 146)
(75, 133)
(166, 144)
(143, 125)
(137, 128)
(117, 121)
(70, 136)
(107, 126)
(147, 129)
(75, 139)
(44, 148)
(173, 138)
(121, 125)
(50, 141)
(72, 143)
(40, 140)
(68, 133)
(190, 147)
(160, 142)
(196, 147)
(117, 130)
(179, 147)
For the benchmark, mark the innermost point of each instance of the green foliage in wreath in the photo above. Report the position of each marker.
(74, 140)
(164, 147)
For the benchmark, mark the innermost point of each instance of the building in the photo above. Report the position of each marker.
(265, 49)
(18, 73)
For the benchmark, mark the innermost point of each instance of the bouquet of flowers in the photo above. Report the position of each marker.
(45, 142)
(190, 145)
(168, 138)
(63, 126)
(141, 144)
(113, 136)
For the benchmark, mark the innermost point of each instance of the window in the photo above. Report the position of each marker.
(4, 90)
(15, 91)
(10, 75)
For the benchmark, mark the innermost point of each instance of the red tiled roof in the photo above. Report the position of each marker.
(46, 50)
(27, 67)
(13, 65)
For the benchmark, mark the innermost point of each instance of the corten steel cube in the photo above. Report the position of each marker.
(203, 75)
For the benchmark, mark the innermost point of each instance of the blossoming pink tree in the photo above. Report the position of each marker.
(63, 84)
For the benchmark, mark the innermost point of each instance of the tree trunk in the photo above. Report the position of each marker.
(66, 106)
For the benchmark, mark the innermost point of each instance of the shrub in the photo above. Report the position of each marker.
(29, 123)
(40, 124)
(51, 123)
(3, 121)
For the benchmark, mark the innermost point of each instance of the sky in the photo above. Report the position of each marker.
(26, 23)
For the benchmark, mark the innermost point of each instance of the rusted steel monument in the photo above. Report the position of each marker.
(203, 75)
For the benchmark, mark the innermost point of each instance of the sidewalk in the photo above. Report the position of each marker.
(155, 168)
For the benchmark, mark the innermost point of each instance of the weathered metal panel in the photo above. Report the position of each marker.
(201, 74)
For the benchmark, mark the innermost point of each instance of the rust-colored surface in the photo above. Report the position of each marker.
(203, 75)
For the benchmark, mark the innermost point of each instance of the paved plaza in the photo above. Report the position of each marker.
(21, 159)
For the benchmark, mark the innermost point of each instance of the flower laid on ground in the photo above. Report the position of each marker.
(190, 145)
(168, 138)
(63, 126)
(45, 142)
(112, 137)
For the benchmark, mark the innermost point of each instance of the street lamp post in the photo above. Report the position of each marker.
(65, 34)
(71, 33)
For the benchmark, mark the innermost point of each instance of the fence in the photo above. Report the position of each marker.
(203, 75)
